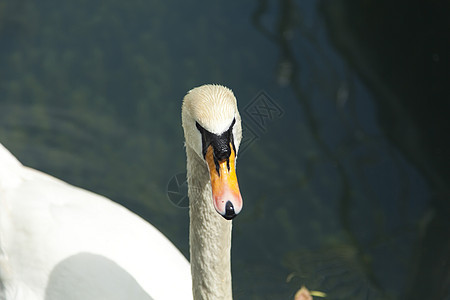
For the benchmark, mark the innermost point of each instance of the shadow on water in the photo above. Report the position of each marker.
(402, 51)
(413, 126)
(290, 76)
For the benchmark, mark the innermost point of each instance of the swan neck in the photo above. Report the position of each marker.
(209, 236)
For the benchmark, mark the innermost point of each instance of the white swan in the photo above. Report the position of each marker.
(58, 241)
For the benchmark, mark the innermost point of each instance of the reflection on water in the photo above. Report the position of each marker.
(91, 93)
(335, 268)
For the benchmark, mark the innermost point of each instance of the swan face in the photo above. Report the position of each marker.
(212, 128)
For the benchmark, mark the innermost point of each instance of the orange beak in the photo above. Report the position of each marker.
(225, 189)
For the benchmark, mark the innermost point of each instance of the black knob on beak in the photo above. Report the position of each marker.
(229, 211)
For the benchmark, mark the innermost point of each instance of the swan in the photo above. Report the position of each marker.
(58, 241)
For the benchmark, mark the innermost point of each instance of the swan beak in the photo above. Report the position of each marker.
(225, 189)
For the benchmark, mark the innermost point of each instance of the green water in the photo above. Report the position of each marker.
(345, 169)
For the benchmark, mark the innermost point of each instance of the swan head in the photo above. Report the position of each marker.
(212, 128)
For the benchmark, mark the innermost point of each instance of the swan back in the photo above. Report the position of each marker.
(10, 169)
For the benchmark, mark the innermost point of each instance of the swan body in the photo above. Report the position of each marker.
(62, 242)
(58, 241)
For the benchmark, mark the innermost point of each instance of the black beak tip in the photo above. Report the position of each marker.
(229, 211)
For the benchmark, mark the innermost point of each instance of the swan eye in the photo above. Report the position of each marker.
(199, 127)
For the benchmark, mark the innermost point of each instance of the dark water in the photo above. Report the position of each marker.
(345, 170)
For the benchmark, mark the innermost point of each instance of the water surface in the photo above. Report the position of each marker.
(340, 193)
